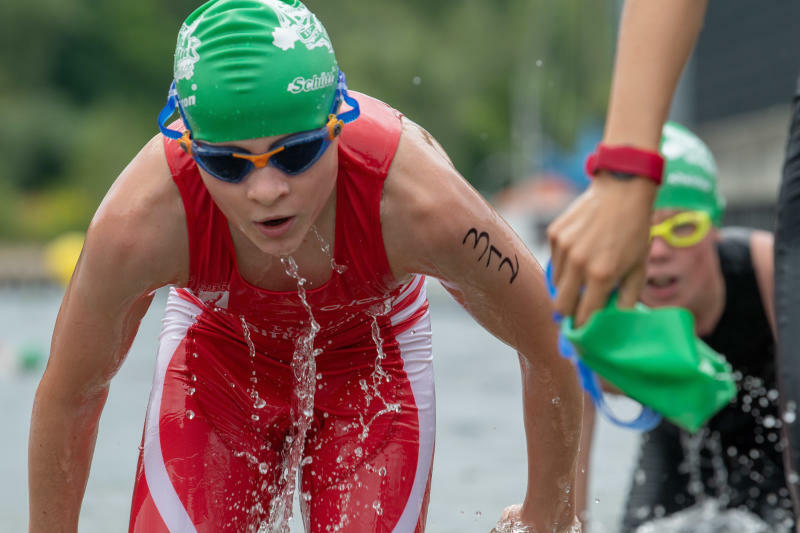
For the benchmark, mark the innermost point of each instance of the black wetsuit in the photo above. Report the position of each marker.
(740, 449)
(787, 291)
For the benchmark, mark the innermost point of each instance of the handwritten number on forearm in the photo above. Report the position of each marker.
(514, 269)
(492, 250)
(478, 238)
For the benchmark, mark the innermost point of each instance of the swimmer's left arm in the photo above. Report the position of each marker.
(761, 247)
(436, 224)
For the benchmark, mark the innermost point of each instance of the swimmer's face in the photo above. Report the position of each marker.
(271, 208)
(681, 276)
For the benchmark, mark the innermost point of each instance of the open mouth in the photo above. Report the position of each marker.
(275, 221)
(661, 282)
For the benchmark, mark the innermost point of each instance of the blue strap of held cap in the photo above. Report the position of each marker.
(647, 418)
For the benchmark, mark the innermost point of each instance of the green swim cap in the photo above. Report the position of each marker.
(690, 174)
(254, 68)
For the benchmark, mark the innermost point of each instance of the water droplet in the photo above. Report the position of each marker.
(191, 391)
(416, 80)
(259, 403)
(263, 468)
(556, 400)
(377, 506)
(254, 417)
(189, 414)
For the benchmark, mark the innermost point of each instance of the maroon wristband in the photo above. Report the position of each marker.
(626, 161)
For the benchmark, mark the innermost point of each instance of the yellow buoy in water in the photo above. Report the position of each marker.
(61, 256)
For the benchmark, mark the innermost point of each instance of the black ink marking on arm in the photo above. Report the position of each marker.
(492, 250)
(514, 271)
(477, 238)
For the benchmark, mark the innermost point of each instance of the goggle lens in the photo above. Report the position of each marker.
(297, 158)
(684, 229)
(225, 166)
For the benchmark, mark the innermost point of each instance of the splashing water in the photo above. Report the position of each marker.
(515, 526)
(378, 375)
(706, 517)
(304, 371)
(326, 249)
(711, 513)
(258, 402)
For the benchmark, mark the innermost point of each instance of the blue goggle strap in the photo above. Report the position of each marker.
(341, 91)
(647, 418)
(169, 110)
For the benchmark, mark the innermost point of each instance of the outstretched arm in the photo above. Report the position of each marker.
(110, 291)
(436, 224)
(600, 241)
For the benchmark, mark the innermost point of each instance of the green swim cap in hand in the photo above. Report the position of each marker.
(254, 68)
(654, 357)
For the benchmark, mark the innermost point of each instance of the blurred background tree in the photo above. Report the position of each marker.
(498, 83)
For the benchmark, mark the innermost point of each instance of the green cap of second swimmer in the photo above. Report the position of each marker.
(690, 174)
(254, 68)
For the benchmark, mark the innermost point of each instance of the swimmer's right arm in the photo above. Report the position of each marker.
(135, 244)
(600, 241)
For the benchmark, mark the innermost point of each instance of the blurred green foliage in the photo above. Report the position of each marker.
(81, 82)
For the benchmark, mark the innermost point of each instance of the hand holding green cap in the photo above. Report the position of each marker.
(655, 358)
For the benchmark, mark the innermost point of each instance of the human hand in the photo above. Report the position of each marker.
(511, 521)
(600, 242)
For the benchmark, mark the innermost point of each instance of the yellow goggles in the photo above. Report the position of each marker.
(684, 229)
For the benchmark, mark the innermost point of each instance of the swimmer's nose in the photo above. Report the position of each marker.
(267, 185)
(659, 249)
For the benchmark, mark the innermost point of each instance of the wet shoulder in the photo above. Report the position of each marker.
(369, 143)
(743, 333)
(141, 223)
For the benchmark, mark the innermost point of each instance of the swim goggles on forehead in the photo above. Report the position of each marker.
(292, 155)
(684, 229)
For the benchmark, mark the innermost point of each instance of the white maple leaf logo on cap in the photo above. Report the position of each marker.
(297, 23)
(284, 38)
